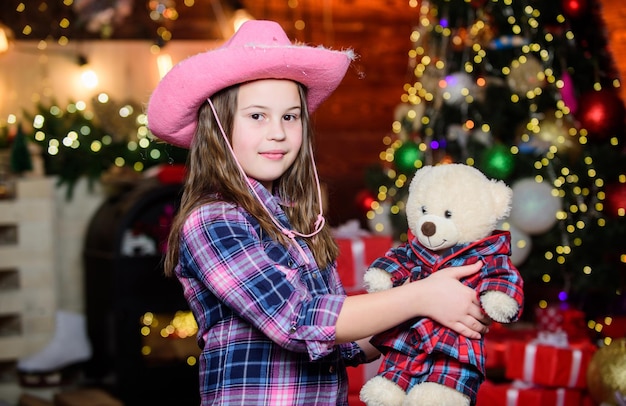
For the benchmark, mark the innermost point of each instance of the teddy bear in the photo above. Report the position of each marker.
(452, 212)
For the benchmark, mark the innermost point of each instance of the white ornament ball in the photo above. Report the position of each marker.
(458, 87)
(534, 207)
(521, 243)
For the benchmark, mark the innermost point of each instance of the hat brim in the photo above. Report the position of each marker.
(173, 106)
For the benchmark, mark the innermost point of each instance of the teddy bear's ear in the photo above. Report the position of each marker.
(502, 197)
(422, 172)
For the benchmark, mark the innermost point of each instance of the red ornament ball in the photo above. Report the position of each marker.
(574, 8)
(615, 202)
(601, 113)
(364, 200)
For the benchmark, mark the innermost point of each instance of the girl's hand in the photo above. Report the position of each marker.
(452, 304)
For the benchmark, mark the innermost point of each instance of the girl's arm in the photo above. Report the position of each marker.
(441, 297)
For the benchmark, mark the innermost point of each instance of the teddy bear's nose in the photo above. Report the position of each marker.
(429, 228)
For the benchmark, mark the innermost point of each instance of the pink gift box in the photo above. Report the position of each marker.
(548, 365)
(355, 256)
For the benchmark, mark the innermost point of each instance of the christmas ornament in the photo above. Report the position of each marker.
(574, 8)
(497, 162)
(508, 42)
(526, 75)
(457, 87)
(606, 373)
(555, 131)
(364, 200)
(481, 32)
(568, 93)
(521, 243)
(482, 137)
(601, 113)
(615, 199)
(407, 156)
(459, 39)
(534, 207)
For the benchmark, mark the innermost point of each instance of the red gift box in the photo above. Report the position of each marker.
(497, 338)
(513, 394)
(549, 365)
(357, 376)
(355, 256)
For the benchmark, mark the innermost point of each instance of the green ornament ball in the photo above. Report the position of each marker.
(406, 157)
(498, 162)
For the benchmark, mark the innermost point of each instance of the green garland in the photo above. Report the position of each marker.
(78, 143)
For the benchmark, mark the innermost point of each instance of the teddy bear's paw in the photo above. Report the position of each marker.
(376, 279)
(499, 306)
(434, 394)
(379, 391)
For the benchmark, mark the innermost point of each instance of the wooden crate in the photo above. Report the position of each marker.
(27, 269)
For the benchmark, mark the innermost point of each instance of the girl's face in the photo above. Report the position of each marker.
(267, 128)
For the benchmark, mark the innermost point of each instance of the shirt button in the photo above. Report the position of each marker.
(292, 330)
(331, 369)
(315, 276)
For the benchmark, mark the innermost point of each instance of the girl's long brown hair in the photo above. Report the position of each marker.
(213, 174)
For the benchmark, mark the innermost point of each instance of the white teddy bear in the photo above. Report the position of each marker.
(452, 212)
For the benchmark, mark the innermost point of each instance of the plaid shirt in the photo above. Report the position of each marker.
(266, 318)
(412, 260)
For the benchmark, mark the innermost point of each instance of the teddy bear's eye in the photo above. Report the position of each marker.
(424, 211)
(448, 214)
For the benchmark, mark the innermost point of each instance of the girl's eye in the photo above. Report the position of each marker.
(289, 117)
(256, 116)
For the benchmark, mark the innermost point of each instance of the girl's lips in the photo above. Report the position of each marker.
(273, 154)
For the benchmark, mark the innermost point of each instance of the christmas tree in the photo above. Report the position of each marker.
(528, 93)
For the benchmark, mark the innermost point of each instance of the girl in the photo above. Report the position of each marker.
(249, 244)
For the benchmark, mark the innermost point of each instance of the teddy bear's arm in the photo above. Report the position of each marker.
(390, 270)
(499, 275)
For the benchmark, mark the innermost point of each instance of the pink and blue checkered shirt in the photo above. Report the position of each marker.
(266, 318)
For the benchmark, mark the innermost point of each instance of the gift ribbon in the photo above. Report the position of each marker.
(358, 256)
(512, 396)
(560, 397)
(530, 353)
(529, 362)
(577, 358)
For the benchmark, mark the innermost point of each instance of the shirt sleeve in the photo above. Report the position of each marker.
(224, 251)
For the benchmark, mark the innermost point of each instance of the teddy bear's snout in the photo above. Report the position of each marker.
(429, 229)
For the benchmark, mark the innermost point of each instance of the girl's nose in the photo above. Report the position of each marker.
(277, 131)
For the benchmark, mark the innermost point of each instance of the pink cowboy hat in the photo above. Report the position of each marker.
(258, 50)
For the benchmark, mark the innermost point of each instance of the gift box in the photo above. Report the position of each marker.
(562, 318)
(516, 394)
(357, 376)
(561, 365)
(496, 341)
(355, 256)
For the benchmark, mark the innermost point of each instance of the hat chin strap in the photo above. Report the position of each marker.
(319, 223)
